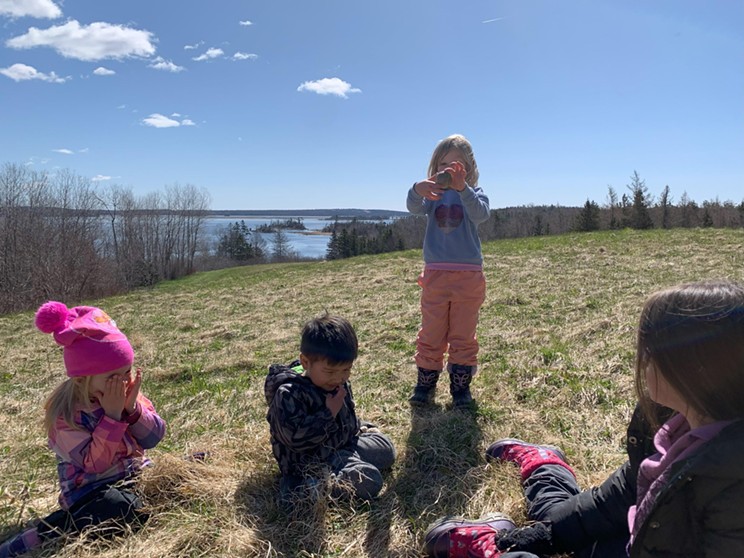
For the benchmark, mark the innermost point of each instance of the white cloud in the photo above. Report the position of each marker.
(244, 56)
(32, 8)
(101, 71)
(84, 150)
(120, 107)
(211, 53)
(329, 86)
(161, 63)
(64, 151)
(100, 178)
(492, 20)
(194, 46)
(96, 41)
(157, 120)
(160, 121)
(21, 72)
(246, 23)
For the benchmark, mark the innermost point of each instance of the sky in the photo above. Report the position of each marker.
(297, 104)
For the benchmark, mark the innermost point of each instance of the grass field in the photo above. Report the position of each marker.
(556, 334)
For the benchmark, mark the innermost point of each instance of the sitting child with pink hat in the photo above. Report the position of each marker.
(99, 425)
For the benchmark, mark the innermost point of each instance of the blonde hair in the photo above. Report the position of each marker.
(459, 142)
(67, 397)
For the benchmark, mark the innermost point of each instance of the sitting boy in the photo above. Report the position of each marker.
(312, 420)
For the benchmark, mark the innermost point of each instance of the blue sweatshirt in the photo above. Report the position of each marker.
(452, 225)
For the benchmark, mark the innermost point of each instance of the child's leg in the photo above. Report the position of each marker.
(118, 503)
(355, 477)
(109, 503)
(547, 486)
(377, 449)
(468, 290)
(431, 342)
(357, 468)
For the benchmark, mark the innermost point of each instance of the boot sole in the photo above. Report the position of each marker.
(496, 449)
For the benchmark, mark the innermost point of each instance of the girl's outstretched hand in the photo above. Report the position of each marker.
(113, 397)
(429, 188)
(458, 173)
(130, 405)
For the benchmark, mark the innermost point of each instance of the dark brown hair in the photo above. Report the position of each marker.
(693, 334)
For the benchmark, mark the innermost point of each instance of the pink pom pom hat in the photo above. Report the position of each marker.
(92, 344)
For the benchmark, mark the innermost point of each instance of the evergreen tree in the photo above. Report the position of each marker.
(665, 202)
(588, 219)
(640, 218)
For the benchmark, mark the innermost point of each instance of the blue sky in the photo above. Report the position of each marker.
(298, 104)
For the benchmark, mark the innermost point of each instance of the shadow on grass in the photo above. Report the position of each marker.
(442, 446)
(303, 530)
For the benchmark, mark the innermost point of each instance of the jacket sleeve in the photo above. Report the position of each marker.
(598, 513)
(476, 203)
(294, 426)
(93, 452)
(145, 424)
(416, 204)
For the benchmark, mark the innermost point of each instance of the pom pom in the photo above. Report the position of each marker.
(51, 317)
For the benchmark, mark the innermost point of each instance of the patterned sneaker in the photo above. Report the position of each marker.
(457, 537)
(527, 456)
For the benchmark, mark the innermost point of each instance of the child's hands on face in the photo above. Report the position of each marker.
(114, 396)
(133, 391)
(335, 400)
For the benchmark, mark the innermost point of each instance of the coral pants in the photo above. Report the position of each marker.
(450, 301)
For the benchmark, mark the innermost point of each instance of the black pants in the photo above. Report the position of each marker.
(551, 485)
(119, 503)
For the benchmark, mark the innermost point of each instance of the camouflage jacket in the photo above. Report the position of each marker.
(304, 433)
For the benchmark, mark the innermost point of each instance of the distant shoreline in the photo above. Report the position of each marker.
(346, 213)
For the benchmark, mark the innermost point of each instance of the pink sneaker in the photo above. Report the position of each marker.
(457, 537)
(527, 456)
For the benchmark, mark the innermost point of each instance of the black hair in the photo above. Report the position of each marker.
(331, 338)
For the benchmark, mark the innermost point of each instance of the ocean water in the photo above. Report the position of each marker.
(306, 245)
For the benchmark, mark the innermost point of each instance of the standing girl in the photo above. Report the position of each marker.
(681, 492)
(452, 283)
(98, 423)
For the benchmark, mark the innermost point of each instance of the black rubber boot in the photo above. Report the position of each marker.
(426, 387)
(460, 377)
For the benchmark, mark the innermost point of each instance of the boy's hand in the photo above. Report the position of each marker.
(130, 405)
(429, 188)
(335, 400)
(114, 396)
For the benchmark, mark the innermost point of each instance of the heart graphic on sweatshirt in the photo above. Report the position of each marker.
(449, 217)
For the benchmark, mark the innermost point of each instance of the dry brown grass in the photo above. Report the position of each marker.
(556, 336)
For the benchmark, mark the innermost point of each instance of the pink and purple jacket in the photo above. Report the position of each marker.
(102, 451)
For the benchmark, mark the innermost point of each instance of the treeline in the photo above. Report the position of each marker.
(634, 208)
(62, 237)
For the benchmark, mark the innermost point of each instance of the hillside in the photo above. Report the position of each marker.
(556, 335)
